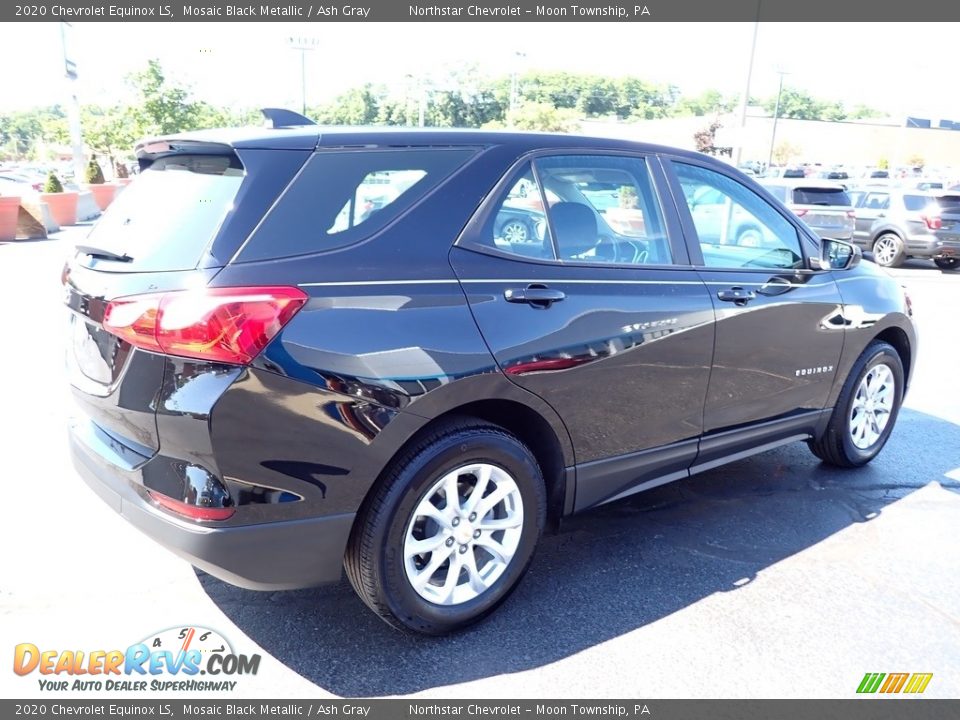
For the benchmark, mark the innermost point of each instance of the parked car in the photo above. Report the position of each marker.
(275, 394)
(824, 206)
(948, 234)
(519, 225)
(12, 183)
(898, 223)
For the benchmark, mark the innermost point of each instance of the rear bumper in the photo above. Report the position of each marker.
(931, 246)
(276, 555)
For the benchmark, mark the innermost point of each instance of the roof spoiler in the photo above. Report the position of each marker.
(281, 118)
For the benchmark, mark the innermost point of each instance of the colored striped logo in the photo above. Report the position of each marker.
(910, 683)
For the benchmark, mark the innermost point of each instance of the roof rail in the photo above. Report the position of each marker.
(281, 118)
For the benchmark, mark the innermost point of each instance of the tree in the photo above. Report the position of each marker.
(543, 117)
(785, 151)
(161, 108)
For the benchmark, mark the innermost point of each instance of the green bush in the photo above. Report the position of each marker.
(93, 175)
(628, 197)
(53, 184)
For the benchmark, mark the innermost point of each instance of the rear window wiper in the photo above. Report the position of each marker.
(103, 254)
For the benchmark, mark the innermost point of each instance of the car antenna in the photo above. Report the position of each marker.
(281, 118)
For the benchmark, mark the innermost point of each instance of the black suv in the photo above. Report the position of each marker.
(296, 349)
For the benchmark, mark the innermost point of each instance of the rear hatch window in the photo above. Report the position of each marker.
(166, 218)
(949, 204)
(821, 196)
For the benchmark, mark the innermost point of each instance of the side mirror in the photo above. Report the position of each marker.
(837, 255)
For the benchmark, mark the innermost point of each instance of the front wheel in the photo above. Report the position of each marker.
(866, 410)
(947, 263)
(450, 530)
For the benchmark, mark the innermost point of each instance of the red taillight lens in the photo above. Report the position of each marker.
(933, 222)
(231, 325)
(801, 212)
(852, 214)
(193, 512)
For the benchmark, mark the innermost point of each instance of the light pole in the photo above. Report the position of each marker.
(745, 100)
(776, 114)
(73, 107)
(515, 82)
(304, 45)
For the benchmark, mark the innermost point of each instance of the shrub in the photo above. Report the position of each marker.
(628, 197)
(53, 184)
(93, 175)
(120, 170)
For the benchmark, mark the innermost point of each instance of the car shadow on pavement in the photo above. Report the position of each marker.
(607, 573)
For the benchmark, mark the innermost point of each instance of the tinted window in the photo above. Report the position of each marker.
(166, 219)
(876, 201)
(735, 226)
(343, 197)
(917, 202)
(606, 210)
(820, 196)
(950, 203)
(518, 225)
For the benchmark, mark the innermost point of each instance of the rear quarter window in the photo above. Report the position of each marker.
(917, 202)
(343, 197)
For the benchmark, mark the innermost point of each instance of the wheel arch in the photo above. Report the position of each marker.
(896, 337)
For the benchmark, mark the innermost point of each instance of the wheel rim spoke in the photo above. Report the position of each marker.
(454, 553)
(872, 407)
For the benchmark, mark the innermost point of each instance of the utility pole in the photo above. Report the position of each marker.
(776, 114)
(745, 99)
(73, 103)
(515, 81)
(304, 45)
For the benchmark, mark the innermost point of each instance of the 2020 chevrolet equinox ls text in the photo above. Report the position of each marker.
(298, 349)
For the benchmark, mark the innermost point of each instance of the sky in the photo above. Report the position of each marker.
(898, 67)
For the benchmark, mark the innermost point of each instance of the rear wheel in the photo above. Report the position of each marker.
(888, 251)
(515, 231)
(450, 531)
(866, 409)
(947, 263)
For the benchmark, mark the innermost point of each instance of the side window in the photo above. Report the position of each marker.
(519, 224)
(735, 226)
(604, 211)
(343, 197)
(876, 201)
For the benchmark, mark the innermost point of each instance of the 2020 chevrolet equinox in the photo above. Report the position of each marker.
(298, 349)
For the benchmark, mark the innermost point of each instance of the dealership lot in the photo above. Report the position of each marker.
(771, 577)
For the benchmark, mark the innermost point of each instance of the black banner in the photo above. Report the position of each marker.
(853, 11)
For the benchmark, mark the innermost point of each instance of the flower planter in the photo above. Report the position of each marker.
(103, 194)
(9, 211)
(122, 181)
(63, 206)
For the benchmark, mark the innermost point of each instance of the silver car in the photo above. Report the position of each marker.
(898, 223)
(824, 206)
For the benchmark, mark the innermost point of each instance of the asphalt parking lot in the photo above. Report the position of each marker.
(771, 577)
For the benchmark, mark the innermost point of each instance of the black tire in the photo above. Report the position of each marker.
(947, 263)
(374, 559)
(897, 254)
(836, 446)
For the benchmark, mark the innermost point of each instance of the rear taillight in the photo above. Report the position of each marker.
(192, 512)
(230, 325)
(801, 212)
(852, 214)
(933, 222)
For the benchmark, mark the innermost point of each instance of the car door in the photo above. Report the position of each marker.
(776, 351)
(870, 212)
(600, 314)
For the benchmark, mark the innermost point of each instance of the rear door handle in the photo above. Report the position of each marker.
(736, 295)
(536, 295)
